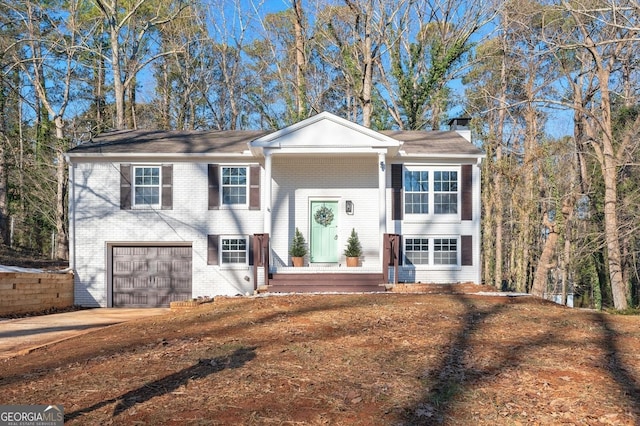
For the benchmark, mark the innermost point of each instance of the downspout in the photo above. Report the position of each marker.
(267, 193)
(72, 224)
(72, 216)
(382, 202)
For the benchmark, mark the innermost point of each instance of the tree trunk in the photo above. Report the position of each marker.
(545, 262)
(612, 236)
(610, 168)
(118, 85)
(367, 79)
(62, 239)
(98, 90)
(300, 59)
(497, 178)
(4, 201)
(602, 60)
(130, 116)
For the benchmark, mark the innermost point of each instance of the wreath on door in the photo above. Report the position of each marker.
(324, 216)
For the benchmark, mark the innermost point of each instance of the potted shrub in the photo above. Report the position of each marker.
(353, 251)
(298, 249)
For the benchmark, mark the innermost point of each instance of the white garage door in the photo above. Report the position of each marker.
(150, 276)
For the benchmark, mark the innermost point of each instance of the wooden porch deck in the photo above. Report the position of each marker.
(329, 278)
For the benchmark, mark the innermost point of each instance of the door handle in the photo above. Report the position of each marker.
(335, 238)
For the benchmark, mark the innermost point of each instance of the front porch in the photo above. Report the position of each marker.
(324, 278)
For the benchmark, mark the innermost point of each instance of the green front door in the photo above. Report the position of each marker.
(324, 231)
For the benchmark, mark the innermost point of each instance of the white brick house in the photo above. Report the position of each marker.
(163, 216)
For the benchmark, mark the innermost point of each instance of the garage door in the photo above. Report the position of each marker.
(151, 276)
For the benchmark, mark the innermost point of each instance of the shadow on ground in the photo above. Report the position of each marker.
(170, 383)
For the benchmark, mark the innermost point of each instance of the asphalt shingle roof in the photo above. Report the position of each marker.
(433, 142)
(236, 142)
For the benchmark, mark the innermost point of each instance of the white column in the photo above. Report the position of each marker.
(266, 199)
(382, 200)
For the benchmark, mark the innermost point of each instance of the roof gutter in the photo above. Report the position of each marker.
(71, 157)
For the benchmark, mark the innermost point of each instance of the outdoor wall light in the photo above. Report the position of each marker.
(382, 166)
(348, 207)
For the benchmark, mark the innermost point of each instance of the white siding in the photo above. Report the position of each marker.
(297, 181)
(96, 220)
(440, 229)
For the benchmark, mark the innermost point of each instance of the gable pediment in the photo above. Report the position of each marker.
(326, 132)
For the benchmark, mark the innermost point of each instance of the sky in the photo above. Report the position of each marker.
(559, 123)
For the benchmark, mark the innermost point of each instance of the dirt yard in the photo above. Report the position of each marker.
(377, 359)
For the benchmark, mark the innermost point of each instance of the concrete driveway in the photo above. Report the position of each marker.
(22, 335)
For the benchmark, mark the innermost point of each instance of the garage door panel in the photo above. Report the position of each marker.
(133, 300)
(120, 266)
(181, 266)
(151, 276)
(163, 282)
(164, 266)
(182, 284)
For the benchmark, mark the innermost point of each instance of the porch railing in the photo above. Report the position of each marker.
(391, 256)
(260, 258)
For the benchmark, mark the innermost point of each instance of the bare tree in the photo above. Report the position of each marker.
(426, 42)
(130, 29)
(352, 38)
(606, 32)
(60, 45)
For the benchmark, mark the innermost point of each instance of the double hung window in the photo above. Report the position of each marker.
(445, 251)
(233, 251)
(445, 192)
(234, 185)
(432, 191)
(416, 251)
(146, 186)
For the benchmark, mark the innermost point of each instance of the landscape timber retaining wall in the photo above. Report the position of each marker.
(22, 292)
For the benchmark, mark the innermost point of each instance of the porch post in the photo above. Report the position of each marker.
(382, 199)
(267, 193)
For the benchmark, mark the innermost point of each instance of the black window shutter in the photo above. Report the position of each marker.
(167, 186)
(466, 255)
(212, 249)
(214, 187)
(396, 191)
(125, 186)
(254, 187)
(467, 192)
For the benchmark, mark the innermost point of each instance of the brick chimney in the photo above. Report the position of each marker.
(461, 126)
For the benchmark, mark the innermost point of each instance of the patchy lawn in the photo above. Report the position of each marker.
(376, 359)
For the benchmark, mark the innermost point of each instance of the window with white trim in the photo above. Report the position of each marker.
(146, 186)
(431, 190)
(445, 251)
(445, 192)
(233, 251)
(416, 251)
(234, 185)
(422, 250)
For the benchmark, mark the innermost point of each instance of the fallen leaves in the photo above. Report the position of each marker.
(345, 359)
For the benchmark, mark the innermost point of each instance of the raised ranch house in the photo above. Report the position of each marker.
(159, 216)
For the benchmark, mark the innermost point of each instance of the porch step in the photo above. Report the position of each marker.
(325, 282)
